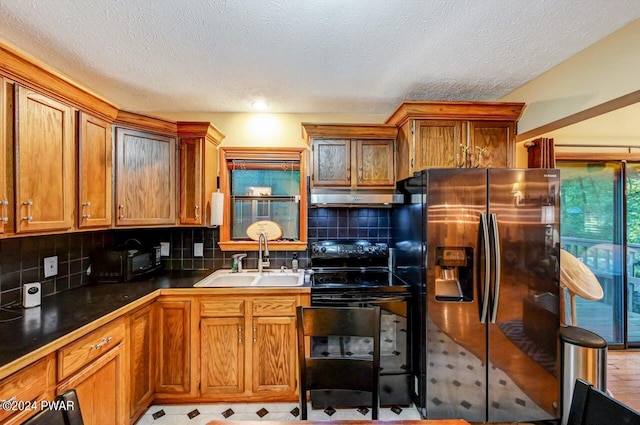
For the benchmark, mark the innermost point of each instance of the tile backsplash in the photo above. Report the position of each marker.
(21, 259)
(350, 223)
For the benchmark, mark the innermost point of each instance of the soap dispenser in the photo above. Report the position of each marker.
(294, 263)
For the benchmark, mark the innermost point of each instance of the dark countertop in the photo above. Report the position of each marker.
(63, 313)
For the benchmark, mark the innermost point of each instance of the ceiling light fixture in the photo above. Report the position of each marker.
(259, 105)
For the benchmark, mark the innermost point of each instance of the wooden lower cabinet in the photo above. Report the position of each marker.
(173, 348)
(222, 354)
(274, 360)
(248, 348)
(32, 384)
(141, 364)
(101, 389)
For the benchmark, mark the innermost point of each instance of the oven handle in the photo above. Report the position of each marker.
(370, 300)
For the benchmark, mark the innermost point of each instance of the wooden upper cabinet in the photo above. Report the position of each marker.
(493, 143)
(352, 155)
(331, 162)
(198, 170)
(374, 162)
(94, 172)
(145, 178)
(44, 161)
(454, 134)
(438, 143)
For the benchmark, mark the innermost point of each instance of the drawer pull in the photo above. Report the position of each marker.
(102, 343)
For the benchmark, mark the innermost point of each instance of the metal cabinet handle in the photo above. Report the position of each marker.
(102, 343)
(5, 211)
(28, 204)
(87, 206)
(197, 208)
(120, 211)
(240, 334)
(255, 333)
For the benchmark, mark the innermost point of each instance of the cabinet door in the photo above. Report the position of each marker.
(404, 152)
(374, 163)
(101, 389)
(494, 142)
(5, 137)
(191, 182)
(44, 160)
(173, 353)
(274, 355)
(222, 345)
(94, 171)
(145, 178)
(141, 365)
(437, 144)
(331, 162)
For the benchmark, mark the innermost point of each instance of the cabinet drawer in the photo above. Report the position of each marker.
(274, 306)
(227, 307)
(76, 355)
(28, 385)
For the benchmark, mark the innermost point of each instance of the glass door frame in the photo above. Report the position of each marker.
(619, 238)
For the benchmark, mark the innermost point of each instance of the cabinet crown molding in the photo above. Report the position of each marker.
(348, 131)
(20, 67)
(204, 130)
(146, 122)
(485, 111)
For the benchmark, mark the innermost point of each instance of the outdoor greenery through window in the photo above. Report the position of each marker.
(600, 208)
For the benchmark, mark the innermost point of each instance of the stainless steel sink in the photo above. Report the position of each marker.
(224, 278)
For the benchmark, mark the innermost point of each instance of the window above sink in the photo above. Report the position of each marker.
(263, 184)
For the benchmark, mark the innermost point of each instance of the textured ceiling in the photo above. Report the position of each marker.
(306, 56)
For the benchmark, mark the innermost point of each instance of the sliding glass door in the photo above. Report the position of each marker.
(633, 253)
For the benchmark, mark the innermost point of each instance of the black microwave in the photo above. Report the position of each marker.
(124, 265)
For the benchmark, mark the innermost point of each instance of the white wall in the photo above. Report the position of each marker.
(602, 72)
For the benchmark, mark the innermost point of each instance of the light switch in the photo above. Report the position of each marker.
(165, 248)
(198, 249)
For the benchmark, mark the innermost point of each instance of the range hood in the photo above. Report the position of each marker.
(354, 198)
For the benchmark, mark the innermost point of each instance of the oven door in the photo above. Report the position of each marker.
(395, 361)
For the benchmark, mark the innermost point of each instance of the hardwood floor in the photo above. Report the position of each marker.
(623, 376)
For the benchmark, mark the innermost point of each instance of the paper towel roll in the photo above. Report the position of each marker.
(217, 207)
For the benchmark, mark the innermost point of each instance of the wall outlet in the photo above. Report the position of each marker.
(165, 248)
(198, 249)
(51, 266)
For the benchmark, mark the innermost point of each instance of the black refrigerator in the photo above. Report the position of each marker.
(480, 248)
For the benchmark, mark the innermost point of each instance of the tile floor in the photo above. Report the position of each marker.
(200, 414)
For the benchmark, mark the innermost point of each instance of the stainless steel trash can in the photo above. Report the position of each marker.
(583, 354)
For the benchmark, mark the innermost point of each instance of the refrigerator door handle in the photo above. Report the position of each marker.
(496, 272)
(484, 229)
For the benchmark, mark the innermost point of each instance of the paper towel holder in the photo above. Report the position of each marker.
(217, 209)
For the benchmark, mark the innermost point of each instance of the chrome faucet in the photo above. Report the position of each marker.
(263, 258)
(237, 261)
